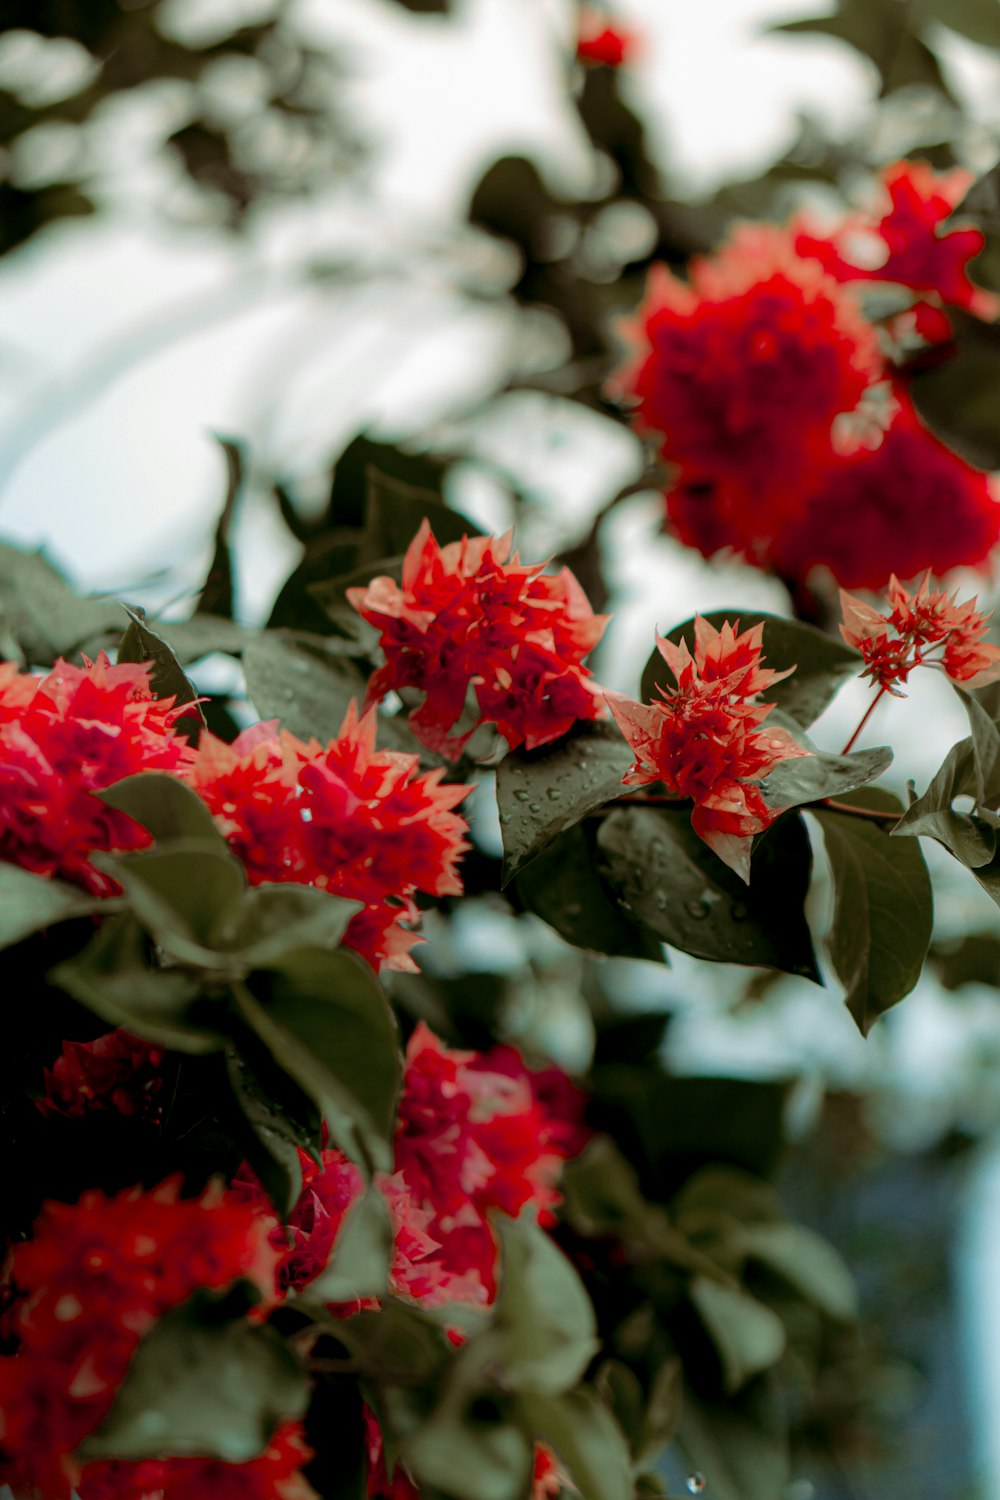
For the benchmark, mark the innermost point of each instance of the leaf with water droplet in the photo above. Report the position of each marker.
(564, 888)
(810, 778)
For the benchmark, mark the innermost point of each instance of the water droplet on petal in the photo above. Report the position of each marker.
(699, 911)
(696, 1484)
(554, 794)
(521, 794)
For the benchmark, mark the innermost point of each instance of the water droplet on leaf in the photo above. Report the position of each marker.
(696, 1484)
(521, 794)
(554, 794)
(698, 910)
(533, 807)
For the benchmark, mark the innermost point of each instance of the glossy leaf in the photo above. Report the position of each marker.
(300, 680)
(822, 662)
(544, 793)
(216, 597)
(669, 880)
(883, 909)
(204, 1382)
(810, 778)
(275, 1120)
(968, 837)
(167, 679)
(563, 886)
(985, 738)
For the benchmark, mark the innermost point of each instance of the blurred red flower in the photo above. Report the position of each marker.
(601, 42)
(275, 1475)
(117, 1072)
(62, 737)
(466, 616)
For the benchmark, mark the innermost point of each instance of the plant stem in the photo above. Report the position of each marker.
(864, 719)
(871, 813)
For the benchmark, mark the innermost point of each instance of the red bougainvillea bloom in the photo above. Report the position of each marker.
(466, 615)
(603, 43)
(704, 739)
(93, 1279)
(64, 736)
(909, 505)
(926, 629)
(275, 1475)
(743, 372)
(117, 1072)
(353, 820)
(907, 245)
(475, 1133)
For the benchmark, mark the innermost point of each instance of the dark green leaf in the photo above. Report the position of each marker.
(806, 1262)
(274, 1119)
(45, 616)
(216, 596)
(30, 902)
(886, 34)
(670, 881)
(361, 1256)
(973, 959)
(968, 837)
(986, 747)
(271, 920)
(396, 509)
(141, 643)
(544, 793)
(812, 777)
(181, 892)
(302, 681)
(112, 977)
(883, 909)
(202, 634)
(563, 887)
(663, 1411)
(327, 1023)
(740, 1447)
(621, 1391)
(544, 1324)
(165, 807)
(400, 1342)
(203, 1383)
(585, 1438)
(960, 399)
(748, 1337)
(472, 1457)
(822, 663)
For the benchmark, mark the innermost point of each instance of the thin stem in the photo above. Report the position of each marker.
(859, 812)
(873, 705)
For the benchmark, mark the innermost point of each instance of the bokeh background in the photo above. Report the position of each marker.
(290, 225)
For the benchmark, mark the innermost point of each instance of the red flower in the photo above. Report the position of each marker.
(346, 817)
(908, 506)
(926, 629)
(906, 245)
(743, 373)
(704, 741)
(466, 616)
(275, 1475)
(116, 1072)
(602, 43)
(92, 1281)
(64, 736)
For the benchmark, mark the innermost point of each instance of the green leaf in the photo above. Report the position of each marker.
(273, 919)
(216, 596)
(395, 510)
(273, 1119)
(327, 1024)
(669, 880)
(958, 399)
(181, 891)
(399, 1343)
(544, 1326)
(29, 903)
(167, 679)
(883, 909)
(165, 807)
(112, 977)
(979, 20)
(748, 1337)
(663, 1411)
(204, 1382)
(543, 793)
(470, 1456)
(585, 1438)
(808, 1263)
(301, 680)
(740, 1447)
(986, 748)
(563, 887)
(969, 838)
(811, 778)
(621, 1391)
(43, 613)
(361, 1256)
(886, 34)
(822, 663)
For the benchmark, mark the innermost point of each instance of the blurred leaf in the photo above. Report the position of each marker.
(542, 793)
(141, 643)
(885, 33)
(30, 902)
(663, 1411)
(180, 892)
(165, 807)
(968, 838)
(748, 1337)
(216, 597)
(740, 1447)
(204, 1382)
(271, 920)
(544, 1328)
(808, 1263)
(883, 909)
(979, 20)
(810, 778)
(362, 1254)
(112, 977)
(277, 1120)
(396, 509)
(398, 1342)
(563, 887)
(470, 1454)
(328, 1025)
(822, 663)
(973, 959)
(302, 681)
(46, 617)
(668, 879)
(960, 398)
(585, 1438)
(986, 749)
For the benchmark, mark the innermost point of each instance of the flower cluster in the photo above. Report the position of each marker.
(703, 741)
(117, 1072)
(601, 42)
(469, 615)
(783, 413)
(928, 628)
(355, 821)
(91, 1282)
(64, 736)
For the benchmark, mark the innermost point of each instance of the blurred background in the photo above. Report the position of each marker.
(316, 226)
